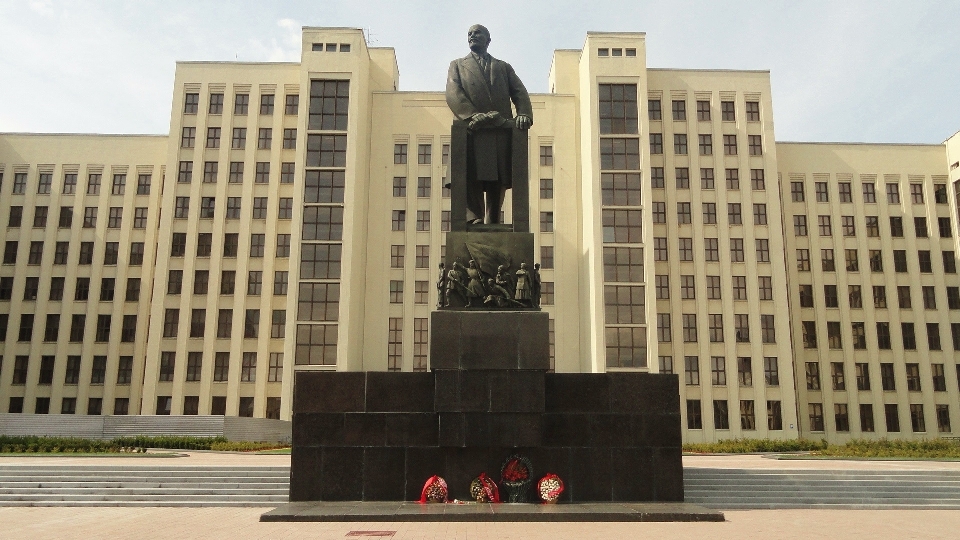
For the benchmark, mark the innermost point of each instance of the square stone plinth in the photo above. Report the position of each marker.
(489, 340)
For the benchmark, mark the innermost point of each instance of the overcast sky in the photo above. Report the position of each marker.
(874, 71)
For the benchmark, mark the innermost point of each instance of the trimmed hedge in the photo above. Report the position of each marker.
(935, 448)
(73, 445)
(750, 446)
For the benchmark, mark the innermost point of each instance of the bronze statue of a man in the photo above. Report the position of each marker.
(480, 89)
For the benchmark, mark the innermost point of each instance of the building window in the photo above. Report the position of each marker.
(718, 371)
(730, 145)
(706, 179)
(619, 154)
(618, 108)
(423, 220)
(221, 367)
(709, 213)
(248, 367)
(616, 189)
(399, 154)
(275, 371)
(694, 419)
(621, 264)
(691, 370)
(290, 138)
(816, 416)
(753, 111)
(721, 416)
(892, 417)
(763, 250)
(654, 111)
(943, 418)
(188, 138)
(395, 344)
(656, 143)
(916, 418)
(264, 138)
(278, 324)
(916, 193)
(213, 137)
(266, 104)
(680, 144)
(292, 105)
(703, 110)
(755, 144)
(679, 108)
(424, 156)
(656, 177)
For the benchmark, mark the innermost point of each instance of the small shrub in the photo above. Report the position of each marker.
(749, 446)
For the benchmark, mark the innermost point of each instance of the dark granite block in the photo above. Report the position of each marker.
(412, 429)
(658, 430)
(577, 392)
(517, 391)
(446, 390)
(341, 474)
(328, 391)
(566, 429)
(465, 464)
(383, 474)
(489, 340)
(421, 464)
(610, 430)
(399, 392)
(305, 465)
(591, 477)
(452, 429)
(550, 460)
(317, 429)
(668, 484)
(364, 429)
(534, 343)
(529, 430)
(633, 474)
(503, 429)
(474, 391)
(644, 392)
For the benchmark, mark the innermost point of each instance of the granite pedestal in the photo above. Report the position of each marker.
(378, 436)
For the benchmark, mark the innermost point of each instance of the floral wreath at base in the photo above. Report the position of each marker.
(434, 490)
(484, 490)
(549, 488)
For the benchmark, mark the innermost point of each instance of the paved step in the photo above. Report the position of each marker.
(143, 486)
(742, 488)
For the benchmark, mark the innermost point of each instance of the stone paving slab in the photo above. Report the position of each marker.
(242, 523)
(472, 512)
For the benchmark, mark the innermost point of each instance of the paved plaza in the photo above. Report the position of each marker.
(241, 523)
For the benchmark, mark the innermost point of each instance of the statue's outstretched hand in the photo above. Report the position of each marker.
(523, 121)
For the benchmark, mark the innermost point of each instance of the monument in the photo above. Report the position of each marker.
(378, 436)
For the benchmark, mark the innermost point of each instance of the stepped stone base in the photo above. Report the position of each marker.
(406, 511)
(378, 436)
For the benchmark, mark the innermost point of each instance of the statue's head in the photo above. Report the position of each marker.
(441, 266)
(523, 266)
(536, 266)
(473, 263)
(478, 37)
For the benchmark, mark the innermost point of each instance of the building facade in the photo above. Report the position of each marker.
(294, 217)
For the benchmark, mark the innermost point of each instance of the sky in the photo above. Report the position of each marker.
(841, 70)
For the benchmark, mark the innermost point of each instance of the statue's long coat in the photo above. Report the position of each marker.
(469, 93)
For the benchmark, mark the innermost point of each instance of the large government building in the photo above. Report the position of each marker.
(294, 216)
